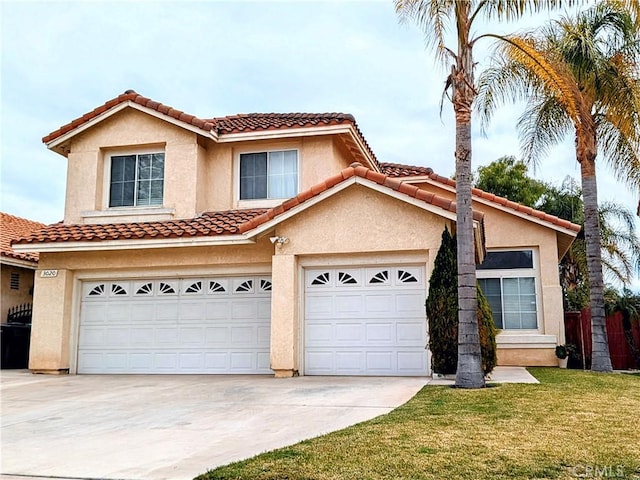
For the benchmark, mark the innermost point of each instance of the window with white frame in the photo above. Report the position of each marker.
(267, 175)
(508, 281)
(136, 180)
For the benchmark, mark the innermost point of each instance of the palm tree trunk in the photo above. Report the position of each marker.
(469, 369)
(600, 359)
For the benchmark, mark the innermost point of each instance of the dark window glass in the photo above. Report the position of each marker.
(268, 175)
(136, 180)
(507, 260)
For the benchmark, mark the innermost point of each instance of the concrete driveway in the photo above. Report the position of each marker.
(173, 427)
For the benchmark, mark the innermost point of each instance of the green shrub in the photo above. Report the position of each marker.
(442, 314)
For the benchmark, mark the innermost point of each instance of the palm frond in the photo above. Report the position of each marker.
(544, 123)
(434, 17)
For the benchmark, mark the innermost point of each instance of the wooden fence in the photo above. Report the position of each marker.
(578, 332)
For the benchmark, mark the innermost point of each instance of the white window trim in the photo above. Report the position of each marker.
(266, 202)
(519, 273)
(107, 153)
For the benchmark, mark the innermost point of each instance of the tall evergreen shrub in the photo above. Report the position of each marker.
(442, 314)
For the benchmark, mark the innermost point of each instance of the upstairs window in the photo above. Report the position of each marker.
(136, 180)
(267, 175)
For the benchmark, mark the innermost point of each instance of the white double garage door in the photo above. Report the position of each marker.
(357, 321)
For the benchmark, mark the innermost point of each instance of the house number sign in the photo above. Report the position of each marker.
(48, 273)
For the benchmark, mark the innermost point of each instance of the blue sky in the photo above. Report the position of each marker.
(62, 59)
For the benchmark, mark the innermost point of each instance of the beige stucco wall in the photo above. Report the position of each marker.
(126, 131)
(200, 174)
(51, 323)
(527, 357)
(10, 297)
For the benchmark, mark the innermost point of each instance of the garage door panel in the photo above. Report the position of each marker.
(263, 360)
(413, 303)
(379, 304)
(118, 312)
(415, 332)
(243, 309)
(242, 360)
(217, 336)
(166, 336)
(165, 361)
(143, 312)
(319, 306)
(218, 310)
(373, 325)
(191, 361)
(217, 362)
(319, 362)
(380, 362)
(412, 362)
(192, 311)
(349, 362)
(245, 335)
(191, 336)
(142, 337)
(264, 309)
(380, 332)
(348, 332)
(348, 304)
(167, 311)
(264, 335)
(319, 334)
(92, 336)
(171, 326)
(117, 337)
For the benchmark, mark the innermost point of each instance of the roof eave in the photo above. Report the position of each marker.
(130, 244)
(16, 262)
(498, 206)
(58, 144)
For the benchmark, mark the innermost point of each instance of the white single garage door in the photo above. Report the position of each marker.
(365, 321)
(173, 326)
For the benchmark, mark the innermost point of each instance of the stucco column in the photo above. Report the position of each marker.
(553, 312)
(284, 316)
(51, 322)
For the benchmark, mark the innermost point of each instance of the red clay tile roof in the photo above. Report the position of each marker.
(398, 170)
(357, 170)
(271, 121)
(208, 224)
(229, 222)
(221, 125)
(11, 228)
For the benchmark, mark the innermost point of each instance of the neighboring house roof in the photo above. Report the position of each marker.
(11, 228)
(238, 222)
(399, 170)
(219, 126)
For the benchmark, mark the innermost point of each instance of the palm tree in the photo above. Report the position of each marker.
(436, 17)
(578, 74)
(620, 243)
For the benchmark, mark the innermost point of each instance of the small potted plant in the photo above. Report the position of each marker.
(563, 352)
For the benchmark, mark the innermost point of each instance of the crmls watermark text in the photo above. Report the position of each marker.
(597, 471)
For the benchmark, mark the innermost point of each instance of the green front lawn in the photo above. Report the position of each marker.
(572, 425)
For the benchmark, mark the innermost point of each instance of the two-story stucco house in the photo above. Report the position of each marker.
(266, 243)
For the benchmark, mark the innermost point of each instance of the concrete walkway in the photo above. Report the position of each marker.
(499, 375)
(176, 427)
